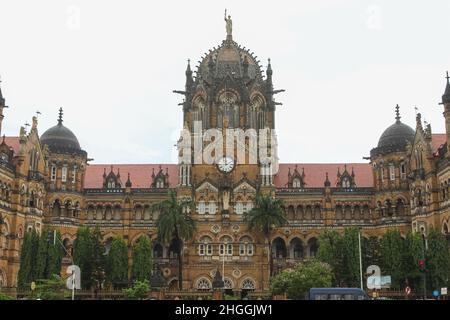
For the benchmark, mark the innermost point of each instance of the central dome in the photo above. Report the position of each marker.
(60, 138)
(230, 58)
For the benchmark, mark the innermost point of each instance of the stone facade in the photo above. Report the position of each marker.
(47, 181)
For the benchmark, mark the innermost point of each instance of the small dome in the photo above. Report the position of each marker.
(60, 138)
(395, 137)
(397, 134)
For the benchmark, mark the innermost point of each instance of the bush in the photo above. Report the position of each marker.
(139, 291)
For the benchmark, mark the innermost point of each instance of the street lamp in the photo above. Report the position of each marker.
(425, 248)
(360, 259)
(157, 281)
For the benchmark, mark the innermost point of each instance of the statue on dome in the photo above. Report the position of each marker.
(229, 25)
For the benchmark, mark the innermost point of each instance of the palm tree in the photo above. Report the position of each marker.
(266, 214)
(175, 224)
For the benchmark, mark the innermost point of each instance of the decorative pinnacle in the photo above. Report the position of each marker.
(60, 116)
(397, 113)
(448, 78)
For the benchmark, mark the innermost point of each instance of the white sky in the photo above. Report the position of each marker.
(112, 66)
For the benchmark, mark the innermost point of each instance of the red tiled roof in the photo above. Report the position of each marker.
(14, 143)
(315, 173)
(140, 174)
(437, 140)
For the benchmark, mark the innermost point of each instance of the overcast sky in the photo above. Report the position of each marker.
(112, 66)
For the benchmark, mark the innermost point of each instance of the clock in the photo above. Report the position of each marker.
(226, 164)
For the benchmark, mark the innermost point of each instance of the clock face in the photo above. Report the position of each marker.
(226, 164)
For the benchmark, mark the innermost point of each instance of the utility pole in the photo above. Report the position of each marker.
(360, 259)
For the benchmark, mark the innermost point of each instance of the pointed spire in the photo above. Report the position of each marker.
(189, 79)
(419, 120)
(269, 71)
(118, 172)
(397, 114)
(339, 172)
(104, 172)
(303, 172)
(60, 117)
(3, 140)
(128, 183)
(446, 96)
(353, 173)
(327, 182)
(289, 172)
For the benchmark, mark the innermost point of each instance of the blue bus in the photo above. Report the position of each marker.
(337, 294)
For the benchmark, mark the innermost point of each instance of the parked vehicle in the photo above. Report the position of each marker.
(337, 294)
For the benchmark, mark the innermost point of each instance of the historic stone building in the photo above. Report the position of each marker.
(47, 181)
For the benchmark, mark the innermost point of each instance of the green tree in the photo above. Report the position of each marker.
(331, 252)
(412, 254)
(350, 256)
(297, 282)
(142, 259)
(50, 289)
(98, 258)
(55, 253)
(392, 257)
(138, 292)
(117, 262)
(267, 213)
(28, 257)
(42, 254)
(438, 260)
(82, 255)
(175, 224)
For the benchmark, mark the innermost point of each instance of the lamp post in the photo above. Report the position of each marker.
(425, 247)
(360, 259)
(157, 281)
(218, 286)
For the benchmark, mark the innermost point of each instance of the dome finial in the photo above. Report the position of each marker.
(229, 26)
(397, 114)
(60, 116)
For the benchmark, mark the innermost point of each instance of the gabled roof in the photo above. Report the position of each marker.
(315, 173)
(437, 140)
(14, 143)
(140, 174)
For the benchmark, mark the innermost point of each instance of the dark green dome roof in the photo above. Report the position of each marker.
(398, 134)
(60, 138)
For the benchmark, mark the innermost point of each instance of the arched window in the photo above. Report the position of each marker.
(296, 183)
(278, 248)
(203, 284)
(248, 284)
(313, 247)
(157, 251)
(339, 214)
(205, 246)
(138, 212)
(56, 208)
(226, 246)
(246, 246)
(296, 249)
(348, 212)
(317, 212)
(228, 284)
(400, 207)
